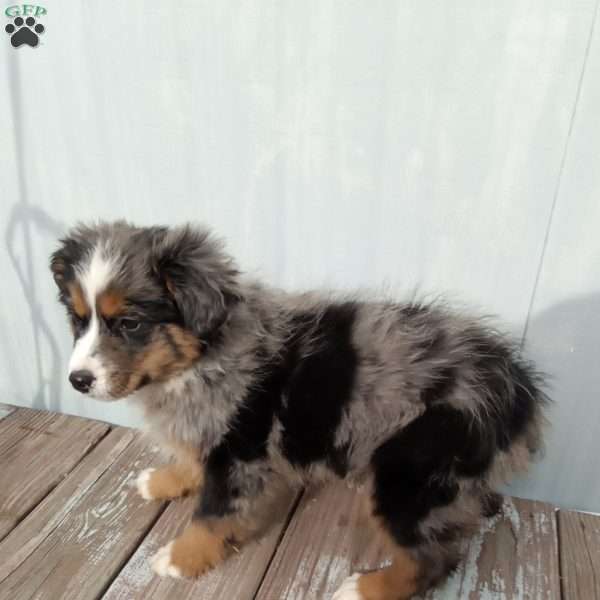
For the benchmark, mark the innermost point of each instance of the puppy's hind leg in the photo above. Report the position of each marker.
(421, 506)
(399, 581)
(415, 567)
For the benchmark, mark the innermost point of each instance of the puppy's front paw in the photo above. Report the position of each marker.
(193, 553)
(349, 589)
(161, 563)
(143, 484)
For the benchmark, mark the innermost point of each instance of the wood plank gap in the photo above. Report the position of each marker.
(559, 542)
(127, 557)
(288, 520)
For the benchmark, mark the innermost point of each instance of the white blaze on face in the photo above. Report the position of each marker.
(93, 279)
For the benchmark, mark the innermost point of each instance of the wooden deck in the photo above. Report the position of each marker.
(72, 526)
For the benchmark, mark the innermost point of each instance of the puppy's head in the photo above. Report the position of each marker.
(143, 303)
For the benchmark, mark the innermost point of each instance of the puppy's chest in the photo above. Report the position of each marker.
(192, 415)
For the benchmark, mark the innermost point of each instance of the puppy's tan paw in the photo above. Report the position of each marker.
(161, 563)
(194, 552)
(172, 481)
(143, 484)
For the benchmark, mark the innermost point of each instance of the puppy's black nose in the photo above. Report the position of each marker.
(82, 380)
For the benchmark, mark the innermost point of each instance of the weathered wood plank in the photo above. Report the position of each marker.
(6, 409)
(579, 555)
(514, 556)
(96, 520)
(239, 577)
(56, 507)
(37, 449)
(326, 540)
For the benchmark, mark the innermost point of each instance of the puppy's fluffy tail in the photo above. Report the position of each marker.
(524, 421)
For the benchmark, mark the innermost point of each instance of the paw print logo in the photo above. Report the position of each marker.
(24, 32)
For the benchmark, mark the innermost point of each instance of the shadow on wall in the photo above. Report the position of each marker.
(27, 224)
(565, 342)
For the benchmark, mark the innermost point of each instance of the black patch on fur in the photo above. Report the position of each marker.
(79, 324)
(417, 469)
(319, 389)
(316, 389)
(217, 495)
(154, 311)
(251, 426)
(246, 439)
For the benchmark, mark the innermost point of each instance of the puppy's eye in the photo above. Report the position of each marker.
(129, 325)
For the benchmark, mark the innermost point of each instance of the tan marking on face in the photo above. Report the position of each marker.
(157, 360)
(171, 351)
(80, 306)
(186, 341)
(161, 359)
(111, 303)
(174, 481)
(396, 582)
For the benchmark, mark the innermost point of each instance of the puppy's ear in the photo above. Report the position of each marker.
(200, 278)
(59, 268)
(69, 253)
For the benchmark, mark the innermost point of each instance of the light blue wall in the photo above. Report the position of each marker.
(453, 147)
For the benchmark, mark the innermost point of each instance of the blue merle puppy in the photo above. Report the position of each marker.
(257, 391)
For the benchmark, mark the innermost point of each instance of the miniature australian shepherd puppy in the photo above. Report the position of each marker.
(257, 391)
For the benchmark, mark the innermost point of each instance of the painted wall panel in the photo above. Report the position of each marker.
(564, 330)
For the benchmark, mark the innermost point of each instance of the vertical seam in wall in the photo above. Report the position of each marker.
(560, 175)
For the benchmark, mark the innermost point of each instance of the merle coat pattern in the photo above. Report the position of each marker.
(426, 409)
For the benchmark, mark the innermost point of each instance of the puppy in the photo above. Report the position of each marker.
(258, 391)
